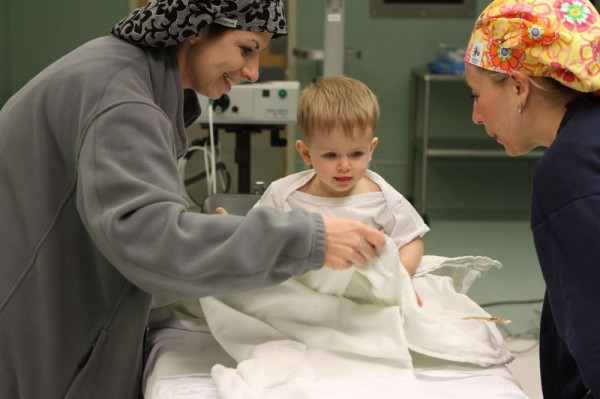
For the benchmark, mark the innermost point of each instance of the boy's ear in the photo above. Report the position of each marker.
(374, 143)
(302, 149)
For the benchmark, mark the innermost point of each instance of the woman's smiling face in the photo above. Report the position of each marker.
(211, 63)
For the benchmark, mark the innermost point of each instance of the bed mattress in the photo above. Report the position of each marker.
(180, 362)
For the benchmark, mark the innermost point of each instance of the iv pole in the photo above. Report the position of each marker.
(334, 51)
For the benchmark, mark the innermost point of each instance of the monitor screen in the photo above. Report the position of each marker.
(423, 9)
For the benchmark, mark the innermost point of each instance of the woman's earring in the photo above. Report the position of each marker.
(520, 111)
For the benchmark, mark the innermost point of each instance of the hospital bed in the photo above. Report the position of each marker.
(182, 351)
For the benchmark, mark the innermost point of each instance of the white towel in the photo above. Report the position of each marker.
(350, 331)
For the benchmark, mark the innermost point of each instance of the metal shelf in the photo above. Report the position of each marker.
(420, 142)
(465, 148)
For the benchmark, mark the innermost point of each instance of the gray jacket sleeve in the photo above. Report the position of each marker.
(128, 196)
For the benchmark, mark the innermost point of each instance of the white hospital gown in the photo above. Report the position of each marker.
(386, 210)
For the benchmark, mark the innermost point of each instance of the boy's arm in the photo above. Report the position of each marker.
(411, 254)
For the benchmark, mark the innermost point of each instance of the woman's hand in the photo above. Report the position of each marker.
(349, 242)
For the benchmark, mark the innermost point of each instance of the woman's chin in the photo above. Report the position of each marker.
(517, 152)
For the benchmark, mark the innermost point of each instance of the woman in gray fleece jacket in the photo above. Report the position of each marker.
(92, 222)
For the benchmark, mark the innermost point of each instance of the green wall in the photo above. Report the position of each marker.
(391, 49)
(4, 51)
(39, 32)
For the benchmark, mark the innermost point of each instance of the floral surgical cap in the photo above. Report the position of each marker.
(163, 23)
(559, 39)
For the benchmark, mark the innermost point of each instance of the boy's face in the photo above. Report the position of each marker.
(339, 161)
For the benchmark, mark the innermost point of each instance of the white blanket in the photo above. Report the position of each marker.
(347, 334)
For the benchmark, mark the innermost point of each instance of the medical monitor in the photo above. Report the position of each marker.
(423, 9)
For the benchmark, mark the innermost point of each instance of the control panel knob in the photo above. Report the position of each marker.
(221, 104)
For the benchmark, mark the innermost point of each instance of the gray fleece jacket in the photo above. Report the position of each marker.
(92, 224)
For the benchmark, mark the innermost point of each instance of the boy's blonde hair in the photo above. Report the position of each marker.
(337, 101)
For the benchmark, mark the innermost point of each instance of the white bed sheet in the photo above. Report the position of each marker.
(180, 362)
(183, 352)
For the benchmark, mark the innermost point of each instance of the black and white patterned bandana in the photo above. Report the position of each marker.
(163, 23)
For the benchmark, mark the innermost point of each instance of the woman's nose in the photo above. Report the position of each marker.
(250, 69)
(476, 117)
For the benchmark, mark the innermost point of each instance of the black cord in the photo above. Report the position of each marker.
(523, 302)
(220, 166)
